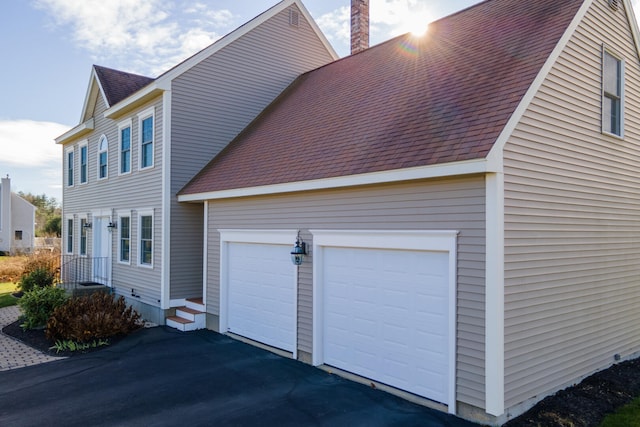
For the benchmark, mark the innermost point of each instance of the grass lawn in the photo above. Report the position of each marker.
(5, 294)
(628, 416)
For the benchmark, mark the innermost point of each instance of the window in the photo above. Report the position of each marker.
(18, 235)
(612, 94)
(103, 149)
(125, 239)
(69, 235)
(125, 148)
(146, 239)
(83, 164)
(70, 168)
(83, 236)
(146, 138)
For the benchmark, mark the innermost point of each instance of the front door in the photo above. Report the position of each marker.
(101, 250)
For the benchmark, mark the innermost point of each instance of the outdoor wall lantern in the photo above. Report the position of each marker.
(298, 252)
(87, 225)
(111, 225)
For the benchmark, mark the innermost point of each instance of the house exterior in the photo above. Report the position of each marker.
(469, 202)
(17, 221)
(141, 139)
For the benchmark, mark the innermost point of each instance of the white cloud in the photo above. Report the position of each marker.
(154, 35)
(336, 25)
(30, 143)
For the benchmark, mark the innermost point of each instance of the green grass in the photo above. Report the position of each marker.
(6, 299)
(627, 416)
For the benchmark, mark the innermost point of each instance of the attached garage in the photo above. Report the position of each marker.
(384, 308)
(259, 287)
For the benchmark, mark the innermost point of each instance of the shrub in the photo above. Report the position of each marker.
(38, 304)
(11, 268)
(38, 278)
(92, 317)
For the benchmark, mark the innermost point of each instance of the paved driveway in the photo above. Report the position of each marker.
(160, 376)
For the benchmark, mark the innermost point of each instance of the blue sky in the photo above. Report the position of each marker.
(48, 46)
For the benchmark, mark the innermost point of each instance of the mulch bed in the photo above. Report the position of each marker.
(36, 338)
(583, 405)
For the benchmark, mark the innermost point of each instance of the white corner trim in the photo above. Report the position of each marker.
(426, 240)
(165, 238)
(205, 252)
(467, 167)
(495, 155)
(494, 295)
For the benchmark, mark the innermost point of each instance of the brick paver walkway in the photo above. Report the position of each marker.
(13, 353)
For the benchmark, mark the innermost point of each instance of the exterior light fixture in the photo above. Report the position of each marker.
(87, 225)
(111, 225)
(299, 251)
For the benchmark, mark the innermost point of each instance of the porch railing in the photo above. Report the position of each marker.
(75, 270)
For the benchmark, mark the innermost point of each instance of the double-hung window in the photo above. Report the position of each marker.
(83, 163)
(69, 245)
(145, 235)
(612, 94)
(103, 157)
(70, 167)
(125, 147)
(145, 122)
(124, 250)
(83, 236)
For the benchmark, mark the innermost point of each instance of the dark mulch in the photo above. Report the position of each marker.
(37, 339)
(586, 404)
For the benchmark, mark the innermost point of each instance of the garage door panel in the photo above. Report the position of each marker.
(261, 293)
(386, 316)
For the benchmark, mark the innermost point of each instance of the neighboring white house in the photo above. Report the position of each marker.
(17, 221)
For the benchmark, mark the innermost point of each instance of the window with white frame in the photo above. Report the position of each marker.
(124, 130)
(83, 236)
(145, 238)
(70, 163)
(146, 138)
(69, 235)
(103, 157)
(124, 248)
(612, 93)
(83, 163)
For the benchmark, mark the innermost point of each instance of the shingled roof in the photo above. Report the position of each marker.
(117, 85)
(408, 102)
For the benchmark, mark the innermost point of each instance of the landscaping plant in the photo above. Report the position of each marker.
(40, 270)
(38, 304)
(92, 317)
(41, 277)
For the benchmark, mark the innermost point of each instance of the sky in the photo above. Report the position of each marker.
(47, 48)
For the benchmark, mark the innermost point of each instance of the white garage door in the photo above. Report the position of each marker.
(386, 317)
(262, 295)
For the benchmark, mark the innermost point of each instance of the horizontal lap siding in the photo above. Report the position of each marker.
(212, 103)
(572, 225)
(137, 190)
(456, 204)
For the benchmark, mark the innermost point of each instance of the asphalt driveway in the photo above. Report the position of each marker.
(160, 376)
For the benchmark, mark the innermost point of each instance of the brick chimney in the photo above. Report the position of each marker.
(359, 25)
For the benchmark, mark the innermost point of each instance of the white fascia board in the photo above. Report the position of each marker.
(495, 156)
(631, 16)
(467, 167)
(138, 98)
(317, 29)
(76, 132)
(88, 98)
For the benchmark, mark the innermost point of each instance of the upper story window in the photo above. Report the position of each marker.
(103, 153)
(146, 138)
(70, 162)
(125, 147)
(83, 163)
(612, 94)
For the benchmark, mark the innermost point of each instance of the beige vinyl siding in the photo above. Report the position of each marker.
(212, 103)
(454, 204)
(572, 223)
(135, 191)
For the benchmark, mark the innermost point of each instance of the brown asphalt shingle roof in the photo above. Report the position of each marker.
(404, 103)
(117, 85)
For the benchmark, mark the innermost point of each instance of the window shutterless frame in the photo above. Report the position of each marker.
(146, 139)
(612, 93)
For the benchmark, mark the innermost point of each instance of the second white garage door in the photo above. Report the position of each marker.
(386, 317)
(262, 294)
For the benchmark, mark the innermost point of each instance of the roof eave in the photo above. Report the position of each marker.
(466, 167)
(76, 132)
(134, 101)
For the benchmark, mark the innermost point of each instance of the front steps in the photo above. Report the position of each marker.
(189, 317)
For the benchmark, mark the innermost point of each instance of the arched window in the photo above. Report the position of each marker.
(103, 148)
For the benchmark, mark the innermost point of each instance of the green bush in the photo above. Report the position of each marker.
(41, 277)
(92, 317)
(38, 304)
